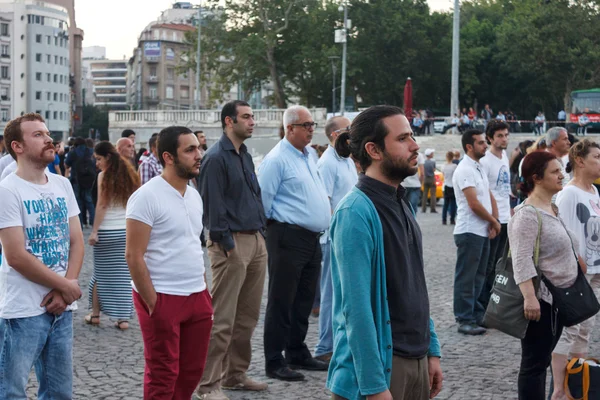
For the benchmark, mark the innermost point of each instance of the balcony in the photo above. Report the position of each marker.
(152, 59)
(152, 100)
(152, 79)
(5, 55)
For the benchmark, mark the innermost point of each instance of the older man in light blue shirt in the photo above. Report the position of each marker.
(298, 212)
(339, 176)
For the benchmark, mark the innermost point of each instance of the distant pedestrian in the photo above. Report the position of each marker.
(110, 285)
(42, 257)
(82, 172)
(542, 179)
(476, 223)
(235, 218)
(429, 184)
(202, 140)
(562, 117)
(165, 258)
(126, 148)
(496, 166)
(385, 341)
(515, 160)
(298, 212)
(130, 134)
(583, 121)
(339, 177)
(150, 167)
(413, 185)
(540, 121)
(449, 198)
(456, 157)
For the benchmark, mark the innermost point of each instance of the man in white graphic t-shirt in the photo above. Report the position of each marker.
(43, 253)
(165, 258)
(496, 167)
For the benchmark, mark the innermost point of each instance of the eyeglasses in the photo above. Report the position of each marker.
(343, 130)
(307, 125)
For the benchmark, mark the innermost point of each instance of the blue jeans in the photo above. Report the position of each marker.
(85, 203)
(413, 195)
(471, 266)
(449, 204)
(326, 315)
(44, 342)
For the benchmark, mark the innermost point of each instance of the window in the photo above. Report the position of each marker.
(60, 97)
(4, 113)
(56, 44)
(55, 78)
(61, 79)
(4, 50)
(4, 72)
(170, 73)
(48, 58)
(169, 92)
(55, 59)
(55, 115)
(153, 93)
(38, 76)
(4, 29)
(55, 96)
(184, 92)
(48, 96)
(4, 93)
(38, 57)
(49, 40)
(153, 71)
(38, 38)
(38, 95)
(47, 114)
(48, 77)
(38, 112)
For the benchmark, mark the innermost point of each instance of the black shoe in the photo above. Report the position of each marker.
(285, 374)
(471, 329)
(444, 223)
(452, 222)
(434, 212)
(309, 364)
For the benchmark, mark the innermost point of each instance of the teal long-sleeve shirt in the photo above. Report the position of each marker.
(362, 359)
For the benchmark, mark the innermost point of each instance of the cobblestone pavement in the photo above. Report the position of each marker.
(109, 363)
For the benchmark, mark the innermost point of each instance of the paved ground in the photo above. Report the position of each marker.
(109, 363)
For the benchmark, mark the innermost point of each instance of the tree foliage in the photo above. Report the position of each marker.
(523, 55)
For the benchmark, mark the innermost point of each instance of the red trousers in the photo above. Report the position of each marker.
(176, 340)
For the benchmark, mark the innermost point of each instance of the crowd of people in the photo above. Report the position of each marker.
(342, 224)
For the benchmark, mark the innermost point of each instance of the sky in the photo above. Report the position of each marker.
(116, 24)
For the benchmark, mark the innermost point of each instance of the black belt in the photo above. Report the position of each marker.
(295, 227)
(246, 232)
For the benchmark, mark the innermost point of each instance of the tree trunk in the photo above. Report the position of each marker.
(567, 97)
(277, 87)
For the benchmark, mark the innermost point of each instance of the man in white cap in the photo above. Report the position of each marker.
(429, 182)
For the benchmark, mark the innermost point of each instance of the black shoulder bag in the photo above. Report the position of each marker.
(505, 311)
(574, 304)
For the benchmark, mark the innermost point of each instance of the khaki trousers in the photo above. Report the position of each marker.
(409, 381)
(237, 285)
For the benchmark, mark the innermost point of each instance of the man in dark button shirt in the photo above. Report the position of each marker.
(377, 271)
(235, 218)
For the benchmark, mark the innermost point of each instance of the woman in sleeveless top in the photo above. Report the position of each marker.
(110, 286)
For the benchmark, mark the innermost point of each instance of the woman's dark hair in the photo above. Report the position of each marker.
(168, 141)
(523, 146)
(581, 149)
(534, 165)
(120, 179)
(79, 141)
(367, 127)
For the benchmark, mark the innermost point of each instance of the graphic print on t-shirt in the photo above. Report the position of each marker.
(47, 231)
(503, 181)
(592, 231)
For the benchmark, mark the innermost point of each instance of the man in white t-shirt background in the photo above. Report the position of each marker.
(43, 254)
(496, 166)
(476, 224)
(165, 258)
(413, 184)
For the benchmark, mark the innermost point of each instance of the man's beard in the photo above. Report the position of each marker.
(396, 170)
(204, 147)
(184, 172)
(478, 155)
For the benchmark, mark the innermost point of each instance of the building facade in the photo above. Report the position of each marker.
(35, 66)
(156, 81)
(109, 83)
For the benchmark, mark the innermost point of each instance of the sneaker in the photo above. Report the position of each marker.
(247, 384)
(471, 329)
(214, 395)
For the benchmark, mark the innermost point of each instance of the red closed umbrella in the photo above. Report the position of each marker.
(408, 100)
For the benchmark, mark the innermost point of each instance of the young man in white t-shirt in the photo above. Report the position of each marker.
(496, 166)
(165, 258)
(476, 224)
(43, 253)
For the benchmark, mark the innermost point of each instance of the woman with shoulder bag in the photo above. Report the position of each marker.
(579, 207)
(541, 179)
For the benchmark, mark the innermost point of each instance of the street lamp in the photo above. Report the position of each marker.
(455, 59)
(333, 87)
(198, 24)
(344, 39)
